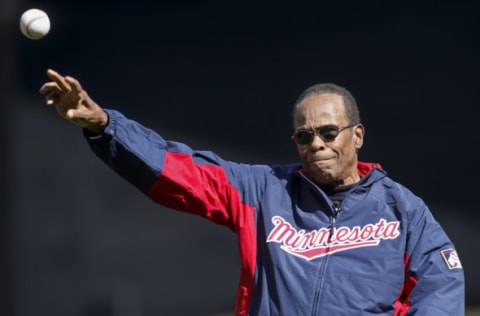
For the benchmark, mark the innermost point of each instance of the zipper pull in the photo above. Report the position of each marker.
(336, 210)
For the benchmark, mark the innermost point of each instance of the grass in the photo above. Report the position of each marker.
(473, 311)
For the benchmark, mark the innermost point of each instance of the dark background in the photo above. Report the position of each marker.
(222, 76)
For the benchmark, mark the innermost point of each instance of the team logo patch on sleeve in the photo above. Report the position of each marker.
(451, 259)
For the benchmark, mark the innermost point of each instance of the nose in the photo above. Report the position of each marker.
(317, 143)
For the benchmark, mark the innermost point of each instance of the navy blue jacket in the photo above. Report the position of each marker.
(382, 254)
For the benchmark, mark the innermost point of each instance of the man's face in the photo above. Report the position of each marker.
(328, 162)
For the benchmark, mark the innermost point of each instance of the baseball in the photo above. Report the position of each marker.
(34, 24)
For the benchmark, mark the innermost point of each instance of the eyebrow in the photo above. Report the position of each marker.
(319, 127)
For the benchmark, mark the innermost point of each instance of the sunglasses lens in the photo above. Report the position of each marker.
(303, 137)
(328, 134)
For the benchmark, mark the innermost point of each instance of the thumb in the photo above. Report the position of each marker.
(77, 117)
(71, 114)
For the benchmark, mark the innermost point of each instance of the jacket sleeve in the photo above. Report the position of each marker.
(434, 266)
(176, 176)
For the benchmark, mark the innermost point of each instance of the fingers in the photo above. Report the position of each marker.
(51, 98)
(59, 80)
(74, 84)
(59, 86)
(49, 87)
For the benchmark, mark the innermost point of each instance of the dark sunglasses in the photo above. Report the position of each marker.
(326, 133)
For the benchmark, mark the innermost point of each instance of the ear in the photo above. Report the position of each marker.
(358, 134)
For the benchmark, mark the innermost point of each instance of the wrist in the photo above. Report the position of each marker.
(99, 126)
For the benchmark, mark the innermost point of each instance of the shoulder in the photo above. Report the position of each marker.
(285, 171)
(393, 192)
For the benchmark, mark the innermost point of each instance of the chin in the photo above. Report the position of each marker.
(321, 175)
(323, 164)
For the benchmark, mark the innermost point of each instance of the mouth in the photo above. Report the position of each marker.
(320, 160)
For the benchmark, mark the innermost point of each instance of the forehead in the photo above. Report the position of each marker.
(320, 109)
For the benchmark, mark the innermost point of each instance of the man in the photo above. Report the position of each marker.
(329, 236)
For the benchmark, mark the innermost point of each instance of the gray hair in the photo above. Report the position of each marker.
(352, 113)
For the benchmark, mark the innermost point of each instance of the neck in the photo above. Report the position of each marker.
(348, 181)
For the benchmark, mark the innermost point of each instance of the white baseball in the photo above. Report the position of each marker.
(34, 24)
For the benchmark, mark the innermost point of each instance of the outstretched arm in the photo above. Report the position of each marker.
(73, 103)
(170, 173)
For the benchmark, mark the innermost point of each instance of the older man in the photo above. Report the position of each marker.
(328, 236)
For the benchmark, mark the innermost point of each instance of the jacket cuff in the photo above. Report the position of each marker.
(108, 132)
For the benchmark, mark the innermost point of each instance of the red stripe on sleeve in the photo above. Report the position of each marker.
(205, 190)
(402, 304)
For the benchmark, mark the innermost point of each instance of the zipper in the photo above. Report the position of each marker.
(336, 209)
(318, 290)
